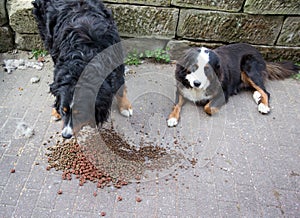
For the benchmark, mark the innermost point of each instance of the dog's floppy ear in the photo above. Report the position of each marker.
(214, 62)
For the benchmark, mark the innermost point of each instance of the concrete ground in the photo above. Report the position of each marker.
(237, 163)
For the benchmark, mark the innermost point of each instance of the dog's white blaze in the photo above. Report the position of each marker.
(198, 93)
(202, 61)
(67, 130)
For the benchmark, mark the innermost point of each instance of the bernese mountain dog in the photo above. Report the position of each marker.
(74, 32)
(208, 77)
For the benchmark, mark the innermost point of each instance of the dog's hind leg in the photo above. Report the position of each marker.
(261, 96)
(124, 104)
(175, 114)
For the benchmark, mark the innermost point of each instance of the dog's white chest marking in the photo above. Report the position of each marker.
(194, 94)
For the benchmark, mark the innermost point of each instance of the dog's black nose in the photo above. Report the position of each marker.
(66, 135)
(197, 83)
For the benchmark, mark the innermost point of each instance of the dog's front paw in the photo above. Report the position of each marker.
(126, 112)
(55, 115)
(257, 97)
(172, 122)
(264, 109)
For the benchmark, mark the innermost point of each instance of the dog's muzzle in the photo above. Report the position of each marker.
(67, 132)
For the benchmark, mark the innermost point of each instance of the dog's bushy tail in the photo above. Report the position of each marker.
(281, 70)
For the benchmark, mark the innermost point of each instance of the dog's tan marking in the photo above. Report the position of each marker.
(210, 110)
(177, 108)
(65, 109)
(264, 96)
(55, 114)
(124, 104)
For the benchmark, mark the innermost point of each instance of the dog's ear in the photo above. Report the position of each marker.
(214, 62)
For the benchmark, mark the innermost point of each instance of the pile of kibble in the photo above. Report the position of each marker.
(72, 159)
(104, 157)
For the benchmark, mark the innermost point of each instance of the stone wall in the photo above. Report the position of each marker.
(273, 26)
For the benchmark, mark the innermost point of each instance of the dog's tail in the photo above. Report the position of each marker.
(281, 70)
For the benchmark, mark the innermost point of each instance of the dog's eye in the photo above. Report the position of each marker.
(194, 68)
(64, 110)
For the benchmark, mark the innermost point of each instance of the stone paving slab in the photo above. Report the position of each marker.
(247, 164)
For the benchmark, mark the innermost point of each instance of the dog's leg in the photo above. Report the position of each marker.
(55, 114)
(260, 96)
(175, 114)
(209, 109)
(124, 104)
(218, 100)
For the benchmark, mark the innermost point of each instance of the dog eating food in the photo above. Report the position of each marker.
(74, 33)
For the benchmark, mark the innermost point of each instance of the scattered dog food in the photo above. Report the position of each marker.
(138, 199)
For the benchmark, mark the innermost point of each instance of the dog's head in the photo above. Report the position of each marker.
(197, 68)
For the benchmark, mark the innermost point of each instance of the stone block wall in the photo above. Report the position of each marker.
(272, 26)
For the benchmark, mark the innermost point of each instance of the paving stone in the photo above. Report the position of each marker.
(13, 188)
(7, 163)
(26, 203)
(64, 204)
(49, 191)
(247, 201)
(229, 209)
(6, 210)
(41, 212)
(36, 177)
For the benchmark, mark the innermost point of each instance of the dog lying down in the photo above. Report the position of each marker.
(75, 32)
(208, 77)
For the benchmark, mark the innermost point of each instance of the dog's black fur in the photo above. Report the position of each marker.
(74, 32)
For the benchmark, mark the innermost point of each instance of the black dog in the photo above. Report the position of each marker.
(74, 32)
(208, 77)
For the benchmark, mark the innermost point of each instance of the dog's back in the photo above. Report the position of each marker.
(56, 19)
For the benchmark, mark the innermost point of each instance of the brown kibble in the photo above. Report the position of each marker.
(48, 168)
(138, 199)
(12, 171)
(102, 213)
(59, 192)
(119, 198)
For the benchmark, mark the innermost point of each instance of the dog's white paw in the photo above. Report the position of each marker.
(257, 97)
(127, 113)
(264, 109)
(172, 122)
